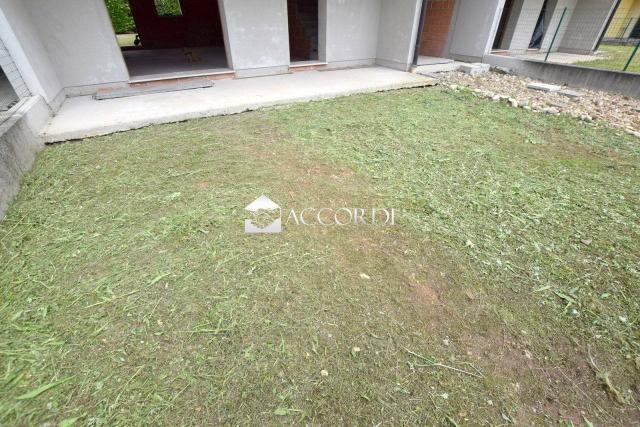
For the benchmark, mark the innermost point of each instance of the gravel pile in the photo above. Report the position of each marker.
(592, 106)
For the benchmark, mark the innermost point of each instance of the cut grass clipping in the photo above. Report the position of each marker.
(507, 292)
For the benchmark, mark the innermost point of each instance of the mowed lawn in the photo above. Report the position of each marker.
(615, 58)
(126, 40)
(507, 292)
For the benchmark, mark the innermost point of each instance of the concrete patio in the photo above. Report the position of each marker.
(82, 117)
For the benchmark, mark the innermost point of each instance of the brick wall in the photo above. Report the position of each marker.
(436, 27)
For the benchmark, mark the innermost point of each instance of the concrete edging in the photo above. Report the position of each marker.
(19, 146)
(570, 75)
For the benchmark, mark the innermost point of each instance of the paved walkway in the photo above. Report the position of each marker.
(82, 117)
(560, 57)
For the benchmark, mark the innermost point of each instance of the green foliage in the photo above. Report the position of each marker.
(168, 7)
(121, 17)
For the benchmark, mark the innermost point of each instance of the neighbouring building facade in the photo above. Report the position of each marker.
(626, 21)
(574, 26)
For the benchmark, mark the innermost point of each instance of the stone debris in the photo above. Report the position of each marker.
(502, 70)
(550, 110)
(571, 93)
(474, 69)
(544, 87)
(592, 106)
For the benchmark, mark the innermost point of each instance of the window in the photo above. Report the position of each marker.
(8, 96)
(168, 8)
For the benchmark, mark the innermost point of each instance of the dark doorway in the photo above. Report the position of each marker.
(303, 30)
(541, 27)
(499, 41)
(169, 38)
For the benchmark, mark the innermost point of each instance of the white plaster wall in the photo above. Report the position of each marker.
(474, 28)
(257, 35)
(351, 30)
(552, 24)
(397, 32)
(80, 40)
(21, 38)
(587, 23)
(511, 24)
(526, 25)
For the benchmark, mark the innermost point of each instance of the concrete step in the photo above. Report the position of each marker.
(475, 69)
(160, 87)
(544, 87)
(437, 68)
(433, 60)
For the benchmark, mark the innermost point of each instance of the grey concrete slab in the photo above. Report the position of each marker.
(544, 87)
(82, 117)
(475, 69)
(560, 57)
(571, 93)
(437, 68)
(432, 60)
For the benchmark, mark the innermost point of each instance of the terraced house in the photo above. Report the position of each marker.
(66, 48)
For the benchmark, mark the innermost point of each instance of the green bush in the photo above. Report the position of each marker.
(121, 16)
(168, 7)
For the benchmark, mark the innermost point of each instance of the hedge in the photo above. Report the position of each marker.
(121, 16)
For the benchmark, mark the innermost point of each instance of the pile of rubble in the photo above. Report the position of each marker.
(589, 105)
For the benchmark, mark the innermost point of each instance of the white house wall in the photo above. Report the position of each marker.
(257, 33)
(23, 42)
(474, 27)
(80, 40)
(351, 30)
(68, 46)
(397, 32)
(586, 25)
(552, 24)
(525, 26)
(511, 23)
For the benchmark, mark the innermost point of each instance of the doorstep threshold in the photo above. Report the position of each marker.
(163, 88)
(180, 75)
(300, 64)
